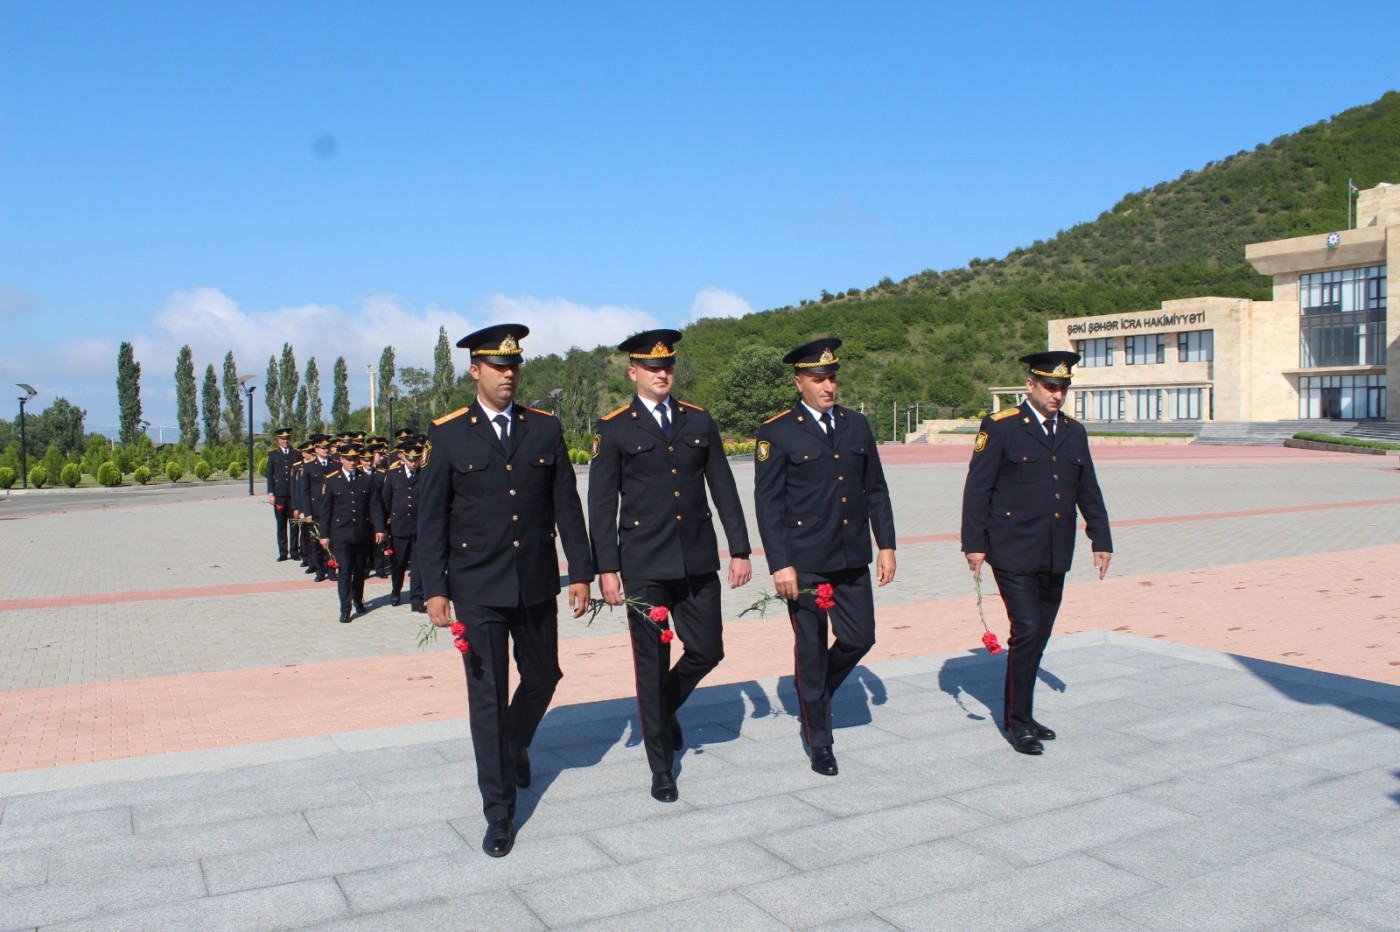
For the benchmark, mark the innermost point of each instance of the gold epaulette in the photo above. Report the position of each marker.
(778, 415)
(537, 410)
(1006, 413)
(609, 417)
(447, 417)
(689, 405)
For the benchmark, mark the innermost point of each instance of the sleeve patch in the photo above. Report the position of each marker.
(763, 451)
(597, 444)
(981, 443)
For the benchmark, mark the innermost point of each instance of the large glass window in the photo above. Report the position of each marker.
(1095, 352)
(1145, 350)
(1346, 397)
(1195, 346)
(1343, 317)
(1107, 406)
(1185, 404)
(1147, 404)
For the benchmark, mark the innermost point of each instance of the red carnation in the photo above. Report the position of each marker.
(825, 600)
(990, 639)
(388, 551)
(659, 614)
(458, 629)
(462, 644)
(281, 507)
(330, 562)
(668, 636)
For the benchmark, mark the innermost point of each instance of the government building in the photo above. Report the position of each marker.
(1321, 348)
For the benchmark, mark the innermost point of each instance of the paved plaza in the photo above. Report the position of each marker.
(188, 737)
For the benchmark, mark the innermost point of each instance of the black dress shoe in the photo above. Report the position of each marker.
(521, 768)
(824, 762)
(498, 840)
(333, 576)
(320, 577)
(309, 569)
(663, 787)
(345, 619)
(360, 608)
(394, 599)
(1041, 732)
(677, 736)
(282, 559)
(1025, 741)
(420, 607)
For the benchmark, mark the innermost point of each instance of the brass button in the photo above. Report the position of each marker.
(464, 545)
(1057, 514)
(1024, 458)
(673, 472)
(636, 524)
(836, 455)
(1008, 514)
(799, 524)
(840, 478)
(515, 543)
(678, 494)
(1057, 496)
(1055, 476)
(512, 491)
(515, 517)
(843, 499)
(670, 449)
(844, 521)
(678, 517)
(805, 456)
(508, 467)
(1054, 459)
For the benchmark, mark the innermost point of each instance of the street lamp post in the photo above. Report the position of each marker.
(248, 390)
(29, 392)
(392, 394)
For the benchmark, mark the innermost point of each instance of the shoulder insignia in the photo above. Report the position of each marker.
(537, 410)
(762, 451)
(1005, 413)
(687, 404)
(776, 416)
(981, 443)
(396, 464)
(609, 417)
(597, 444)
(447, 417)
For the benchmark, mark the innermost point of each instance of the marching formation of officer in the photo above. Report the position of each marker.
(653, 533)
(279, 493)
(398, 504)
(820, 493)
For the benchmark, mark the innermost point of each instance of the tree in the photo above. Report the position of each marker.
(287, 381)
(418, 392)
(340, 395)
(386, 377)
(272, 398)
(754, 387)
(128, 392)
(578, 400)
(315, 418)
(444, 377)
(60, 425)
(233, 400)
(186, 398)
(299, 413)
(211, 405)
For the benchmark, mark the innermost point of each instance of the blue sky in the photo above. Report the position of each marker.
(342, 176)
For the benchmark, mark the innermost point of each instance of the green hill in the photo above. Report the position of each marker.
(942, 337)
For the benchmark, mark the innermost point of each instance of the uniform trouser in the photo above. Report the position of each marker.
(1032, 601)
(282, 508)
(498, 727)
(311, 551)
(823, 666)
(403, 557)
(354, 564)
(693, 603)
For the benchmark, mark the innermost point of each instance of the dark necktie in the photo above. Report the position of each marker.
(1050, 428)
(830, 428)
(502, 422)
(664, 412)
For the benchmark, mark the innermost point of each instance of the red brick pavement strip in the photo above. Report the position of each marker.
(1332, 612)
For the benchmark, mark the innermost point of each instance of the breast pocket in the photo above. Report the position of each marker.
(1023, 465)
(469, 475)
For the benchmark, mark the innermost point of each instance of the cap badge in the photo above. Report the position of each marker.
(1061, 371)
(827, 358)
(508, 345)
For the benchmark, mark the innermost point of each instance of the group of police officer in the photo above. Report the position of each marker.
(496, 490)
(348, 509)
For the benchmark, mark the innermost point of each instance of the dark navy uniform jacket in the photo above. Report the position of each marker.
(279, 472)
(1021, 493)
(486, 522)
(343, 512)
(663, 528)
(398, 501)
(817, 506)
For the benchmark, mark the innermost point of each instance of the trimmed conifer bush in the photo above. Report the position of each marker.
(38, 477)
(71, 475)
(202, 471)
(235, 469)
(174, 471)
(7, 477)
(109, 475)
(142, 474)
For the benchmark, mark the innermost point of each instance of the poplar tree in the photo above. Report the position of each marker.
(299, 413)
(211, 405)
(129, 393)
(271, 397)
(315, 418)
(186, 398)
(340, 396)
(444, 377)
(386, 377)
(233, 400)
(287, 381)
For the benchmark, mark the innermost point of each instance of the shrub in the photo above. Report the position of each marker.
(38, 477)
(71, 475)
(174, 471)
(202, 471)
(108, 474)
(7, 477)
(235, 469)
(142, 474)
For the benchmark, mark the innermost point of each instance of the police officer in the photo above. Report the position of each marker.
(299, 505)
(398, 506)
(346, 520)
(820, 492)
(496, 483)
(313, 484)
(654, 457)
(279, 490)
(1030, 470)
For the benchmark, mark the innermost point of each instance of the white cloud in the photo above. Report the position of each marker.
(716, 302)
(212, 323)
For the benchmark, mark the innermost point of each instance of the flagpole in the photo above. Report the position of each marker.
(1350, 188)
